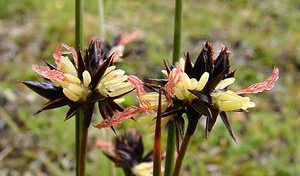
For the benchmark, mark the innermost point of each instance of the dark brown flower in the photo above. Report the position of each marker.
(127, 152)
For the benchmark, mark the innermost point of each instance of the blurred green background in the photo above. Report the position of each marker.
(260, 33)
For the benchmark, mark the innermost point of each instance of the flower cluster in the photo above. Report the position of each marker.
(80, 82)
(197, 90)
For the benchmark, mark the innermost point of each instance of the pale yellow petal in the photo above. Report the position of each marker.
(224, 83)
(203, 80)
(72, 78)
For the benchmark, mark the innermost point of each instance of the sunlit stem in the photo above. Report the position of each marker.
(185, 143)
(176, 55)
(78, 45)
(157, 141)
(177, 31)
(101, 19)
(169, 163)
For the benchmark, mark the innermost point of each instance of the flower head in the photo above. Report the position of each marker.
(197, 90)
(80, 82)
(201, 89)
(127, 152)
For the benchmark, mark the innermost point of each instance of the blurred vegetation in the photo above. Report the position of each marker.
(260, 34)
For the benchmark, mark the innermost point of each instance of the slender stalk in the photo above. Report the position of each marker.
(77, 139)
(78, 45)
(169, 164)
(192, 124)
(176, 55)
(82, 153)
(101, 19)
(157, 141)
(177, 31)
(182, 152)
(78, 23)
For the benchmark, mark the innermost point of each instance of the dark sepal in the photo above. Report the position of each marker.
(81, 66)
(231, 74)
(222, 62)
(94, 96)
(104, 113)
(179, 122)
(227, 124)
(45, 89)
(99, 73)
(205, 98)
(202, 109)
(110, 111)
(88, 113)
(188, 64)
(74, 108)
(148, 157)
(51, 104)
(193, 118)
(203, 62)
(213, 82)
(210, 122)
(135, 141)
(170, 111)
(116, 107)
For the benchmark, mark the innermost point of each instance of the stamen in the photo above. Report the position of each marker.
(225, 83)
(119, 91)
(76, 89)
(70, 94)
(119, 100)
(203, 80)
(86, 78)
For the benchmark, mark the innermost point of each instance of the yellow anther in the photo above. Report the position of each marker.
(230, 101)
(119, 91)
(119, 100)
(86, 78)
(118, 79)
(70, 94)
(225, 83)
(202, 82)
(76, 89)
(109, 69)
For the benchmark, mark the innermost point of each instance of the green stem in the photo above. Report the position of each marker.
(169, 164)
(177, 31)
(78, 24)
(78, 45)
(192, 124)
(101, 19)
(176, 55)
(157, 141)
